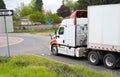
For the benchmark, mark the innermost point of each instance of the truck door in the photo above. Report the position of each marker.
(61, 40)
(70, 39)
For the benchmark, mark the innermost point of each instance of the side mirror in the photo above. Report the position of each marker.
(50, 36)
(55, 30)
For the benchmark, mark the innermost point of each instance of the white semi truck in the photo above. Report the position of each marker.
(94, 34)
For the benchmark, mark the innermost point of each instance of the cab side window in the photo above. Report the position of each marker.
(61, 30)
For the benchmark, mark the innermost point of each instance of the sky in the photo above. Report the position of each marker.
(52, 5)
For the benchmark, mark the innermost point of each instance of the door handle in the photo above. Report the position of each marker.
(63, 41)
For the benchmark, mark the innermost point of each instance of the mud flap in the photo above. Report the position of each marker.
(118, 63)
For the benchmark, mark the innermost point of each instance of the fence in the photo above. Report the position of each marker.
(37, 27)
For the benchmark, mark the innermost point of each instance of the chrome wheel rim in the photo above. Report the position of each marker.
(93, 58)
(109, 61)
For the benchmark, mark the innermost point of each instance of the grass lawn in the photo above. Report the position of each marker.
(36, 66)
(32, 31)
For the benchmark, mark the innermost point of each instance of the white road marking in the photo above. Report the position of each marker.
(12, 41)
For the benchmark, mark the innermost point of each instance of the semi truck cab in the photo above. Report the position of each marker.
(71, 36)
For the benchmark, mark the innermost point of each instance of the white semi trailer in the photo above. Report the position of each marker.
(94, 34)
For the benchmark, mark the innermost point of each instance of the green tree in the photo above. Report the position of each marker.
(2, 5)
(16, 15)
(111, 1)
(37, 5)
(37, 17)
(84, 3)
(64, 11)
(26, 10)
(55, 17)
(32, 3)
(76, 5)
(70, 4)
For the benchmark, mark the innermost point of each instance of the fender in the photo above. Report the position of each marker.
(54, 42)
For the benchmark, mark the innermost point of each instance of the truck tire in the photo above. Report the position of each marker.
(110, 61)
(54, 50)
(93, 58)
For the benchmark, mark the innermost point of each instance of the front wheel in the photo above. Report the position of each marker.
(110, 60)
(93, 58)
(54, 50)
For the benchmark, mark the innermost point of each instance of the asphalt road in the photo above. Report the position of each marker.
(39, 45)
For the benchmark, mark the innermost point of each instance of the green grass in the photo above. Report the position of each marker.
(32, 31)
(36, 66)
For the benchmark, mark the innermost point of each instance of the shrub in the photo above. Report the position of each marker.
(37, 17)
